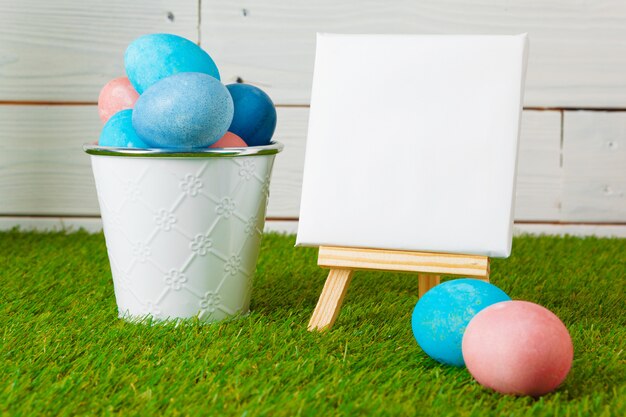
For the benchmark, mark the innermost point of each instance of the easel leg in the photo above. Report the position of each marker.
(486, 277)
(426, 282)
(330, 300)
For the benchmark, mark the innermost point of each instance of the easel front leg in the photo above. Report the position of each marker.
(330, 300)
(426, 282)
(487, 271)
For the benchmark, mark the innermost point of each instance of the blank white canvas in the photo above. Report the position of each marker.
(412, 143)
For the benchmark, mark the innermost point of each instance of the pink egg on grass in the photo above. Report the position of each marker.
(229, 140)
(518, 347)
(117, 95)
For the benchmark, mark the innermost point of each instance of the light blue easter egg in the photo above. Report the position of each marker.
(119, 132)
(186, 110)
(151, 58)
(442, 314)
(255, 115)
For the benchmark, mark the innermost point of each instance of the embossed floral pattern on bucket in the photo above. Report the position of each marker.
(183, 233)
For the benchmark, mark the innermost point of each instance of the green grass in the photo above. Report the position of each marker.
(64, 351)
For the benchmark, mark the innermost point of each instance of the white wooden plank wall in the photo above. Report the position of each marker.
(594, 166)
(66, 50)
(43, 170)
(577, 48)
(539, 173)
(55, 56)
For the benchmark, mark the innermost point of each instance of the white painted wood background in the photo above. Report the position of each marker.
(55, 56)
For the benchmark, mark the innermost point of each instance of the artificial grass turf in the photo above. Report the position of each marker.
(64, 351)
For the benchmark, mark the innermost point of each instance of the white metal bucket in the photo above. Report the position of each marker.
(183, 229)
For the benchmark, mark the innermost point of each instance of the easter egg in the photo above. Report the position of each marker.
(255, 115)
(518, 347)
(153, 57)
(116, 95)
(186, 110)
(118, 132)
(441, 315)
(229, 140)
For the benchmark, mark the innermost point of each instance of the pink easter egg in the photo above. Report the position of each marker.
(229, 140)
(117, 95)
(518, 347)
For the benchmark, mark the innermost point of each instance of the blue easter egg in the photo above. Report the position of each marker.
(119, 132)
(186, 110)
(255, 115)
(151, 58)
(442, 314)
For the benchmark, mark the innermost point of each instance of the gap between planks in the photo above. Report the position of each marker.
(303, 105)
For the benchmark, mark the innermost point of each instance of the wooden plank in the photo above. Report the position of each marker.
(51, 224)
(539, 172)
(594, 166)
(290, 227)
(43, 169)
(45, 172)
(538, 191)
(288, 166)
(66, 50)
(579, 230)
(577, 53)
(386, 260)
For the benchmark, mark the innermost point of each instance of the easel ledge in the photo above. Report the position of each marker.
(342, 262)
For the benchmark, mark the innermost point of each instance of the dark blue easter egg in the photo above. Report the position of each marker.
(255, 115)
(119, 132)
(151, 58)
(186, 110)
(442, 314)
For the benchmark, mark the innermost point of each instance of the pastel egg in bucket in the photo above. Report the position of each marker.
(183, 227)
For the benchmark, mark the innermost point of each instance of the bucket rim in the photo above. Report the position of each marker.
(271, 149)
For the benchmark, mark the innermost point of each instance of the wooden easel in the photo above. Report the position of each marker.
(343, 261)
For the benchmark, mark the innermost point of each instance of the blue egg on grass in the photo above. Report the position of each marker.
(151, 58)
(442, 314)
(255, 115)
(186, 110)
(119, 132)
